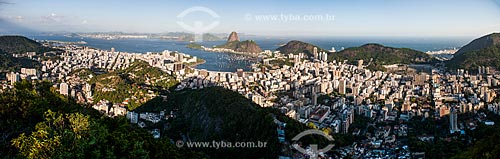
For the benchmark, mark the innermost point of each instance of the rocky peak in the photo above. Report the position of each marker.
(233, 37)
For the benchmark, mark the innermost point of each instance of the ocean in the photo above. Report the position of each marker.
(230, 62)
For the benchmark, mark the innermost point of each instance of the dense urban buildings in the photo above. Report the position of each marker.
(326, 95)
(253, 79)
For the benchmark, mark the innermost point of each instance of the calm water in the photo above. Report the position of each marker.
(230, 62)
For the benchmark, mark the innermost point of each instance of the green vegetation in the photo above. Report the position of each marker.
(478, 143)
(216, 113)
(242, 46)
(228, 45)
(281, 62)
(142, 73)
(194, 46)
(37, 122)
(198, 61)
(381, 55)
(17, 44)
(443, 146)
(483, 51)
(131, 83)
(295, 47)
(9, 63)
(471, 60)
(83, 73)
(486, 143)
(20, 44)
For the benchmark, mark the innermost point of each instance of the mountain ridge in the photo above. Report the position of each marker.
(380, 55)
(296, 46)
(483, 51)
(13, 44)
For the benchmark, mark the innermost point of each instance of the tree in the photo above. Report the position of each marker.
(59, 135)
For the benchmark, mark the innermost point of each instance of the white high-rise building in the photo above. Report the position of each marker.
(64, 88)
(14, 77)
(315, 52)
(88, 90)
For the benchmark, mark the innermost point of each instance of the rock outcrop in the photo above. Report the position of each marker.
(247, 46)
(233, 37)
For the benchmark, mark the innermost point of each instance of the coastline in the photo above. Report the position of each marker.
(225, 51)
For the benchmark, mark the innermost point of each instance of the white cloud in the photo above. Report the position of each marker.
(16, 19)
(53, 17)
(19, 18)
(50, 22)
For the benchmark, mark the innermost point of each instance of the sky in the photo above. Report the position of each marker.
(440, 18)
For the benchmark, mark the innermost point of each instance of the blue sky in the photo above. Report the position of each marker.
(350, 18)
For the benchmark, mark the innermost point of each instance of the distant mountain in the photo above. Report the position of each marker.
(247, 46)
(295, 47)
(18, 44)
(21, 44)
(181, 36)
(484, 51)
(211, 37)
(381, 55)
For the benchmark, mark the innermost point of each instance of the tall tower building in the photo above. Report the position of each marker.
(453, 120)
(324, 56)
(315, 52)
(314, 96)
(342, 86)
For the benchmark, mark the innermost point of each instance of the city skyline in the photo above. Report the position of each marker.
(360, 18)
(280, 79)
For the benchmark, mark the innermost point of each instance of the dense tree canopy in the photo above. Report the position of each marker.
(37, 122)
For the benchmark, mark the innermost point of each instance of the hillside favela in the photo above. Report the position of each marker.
(374, 79)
